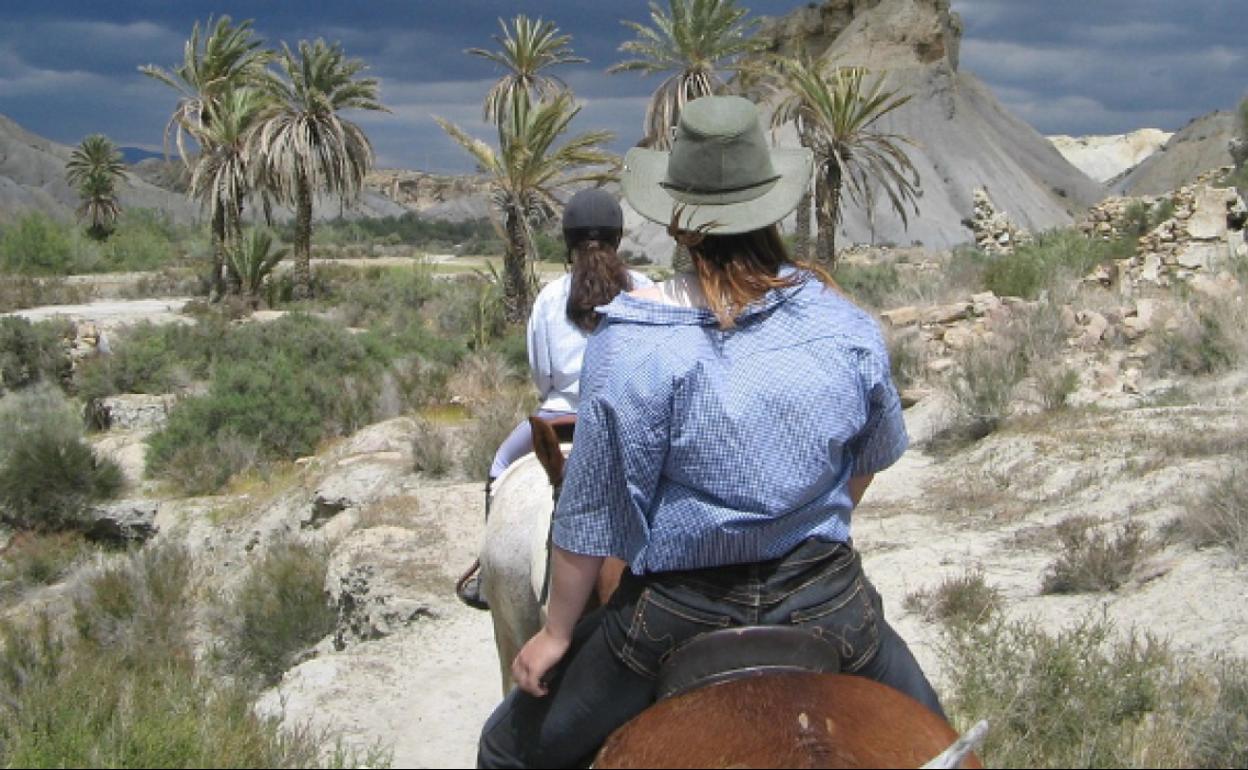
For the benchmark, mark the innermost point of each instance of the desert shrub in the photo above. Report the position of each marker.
(34, 559)
(959, 600)
(1092, 561)
(431, 449)
(1055, 385)
(871, 285)
(1219, 516)
(1036, 266)
(125, 691)
(49, 477)
(204, 468)
(376, 295)
(23, 291)
(491, 423)
(480, 379)
(1220, 737)
(1073, 698)
(32, 352)
(279, 612)
(36, 244)
(905, 356)
(1207, 341)
(981, 390)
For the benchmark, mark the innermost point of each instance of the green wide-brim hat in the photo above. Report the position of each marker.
(720, 174)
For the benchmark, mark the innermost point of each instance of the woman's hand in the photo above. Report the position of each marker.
(538, 656)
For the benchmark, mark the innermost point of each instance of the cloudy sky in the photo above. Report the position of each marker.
(69, 67)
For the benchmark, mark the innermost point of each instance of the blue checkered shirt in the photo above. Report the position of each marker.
(697, 447)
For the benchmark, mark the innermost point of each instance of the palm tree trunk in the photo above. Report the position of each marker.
(827, 210)
(303, 240)
(801, 239)
(516, 299)
(216, 282)
(234, 281)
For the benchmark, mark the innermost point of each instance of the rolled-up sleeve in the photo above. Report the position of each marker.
(539, 351)
(618, 454)
(883, 439)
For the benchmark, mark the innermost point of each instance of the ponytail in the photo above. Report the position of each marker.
(598, 275)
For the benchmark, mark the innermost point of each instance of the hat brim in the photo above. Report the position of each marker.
(644, 170)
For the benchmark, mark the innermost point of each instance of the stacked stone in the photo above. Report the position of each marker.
(1207, 228)
(1107, 220)
(994, 232)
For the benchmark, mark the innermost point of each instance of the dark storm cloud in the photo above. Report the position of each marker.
(70, 68)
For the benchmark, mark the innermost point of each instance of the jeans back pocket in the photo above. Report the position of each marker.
(847, 619)
(660, 625)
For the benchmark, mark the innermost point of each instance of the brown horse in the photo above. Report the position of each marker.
(785, 720)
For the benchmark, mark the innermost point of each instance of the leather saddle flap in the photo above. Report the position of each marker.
(733, 653)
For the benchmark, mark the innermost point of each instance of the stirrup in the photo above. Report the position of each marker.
(468, 587)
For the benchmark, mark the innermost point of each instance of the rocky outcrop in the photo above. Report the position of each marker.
(1106, 157)
(132, 411)
(370, 581)
(436, 196)
(123, 522)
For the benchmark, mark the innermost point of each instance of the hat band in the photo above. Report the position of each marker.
(719, 195)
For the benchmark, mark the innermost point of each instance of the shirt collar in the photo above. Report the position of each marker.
(629, 309)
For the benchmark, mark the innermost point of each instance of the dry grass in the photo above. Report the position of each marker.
(958, 600)
(1219, 516)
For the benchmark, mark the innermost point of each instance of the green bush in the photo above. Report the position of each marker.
(31, 353)
(981, 390)
(1036, 266)
(153, 359)
(279, 612)
(1221, 736)
(36, 244)
(143, 240)
(431, 449)
(868, 285)
(1209, 342)
(1073, 698)
(47, 483)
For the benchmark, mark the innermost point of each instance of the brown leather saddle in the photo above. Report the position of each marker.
(745, 651)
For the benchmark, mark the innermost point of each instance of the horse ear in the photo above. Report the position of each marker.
(546, 447)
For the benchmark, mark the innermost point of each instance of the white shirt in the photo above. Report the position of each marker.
(557, 346)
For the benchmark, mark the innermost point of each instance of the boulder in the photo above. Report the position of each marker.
(133, 411)
(354, 482)
(125, 521)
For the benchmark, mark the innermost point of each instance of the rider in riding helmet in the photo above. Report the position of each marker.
(730, 420)
(563, 316)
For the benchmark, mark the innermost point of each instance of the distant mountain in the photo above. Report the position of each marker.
(132, 155)
(1104, 157)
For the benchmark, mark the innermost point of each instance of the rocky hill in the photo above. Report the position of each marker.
(1104, 157)
(963, 136)
(1198, 147)
(32, 178)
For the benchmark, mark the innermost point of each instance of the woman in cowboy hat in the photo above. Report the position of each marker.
(730, 420)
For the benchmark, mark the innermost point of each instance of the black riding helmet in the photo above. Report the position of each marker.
(592, 214)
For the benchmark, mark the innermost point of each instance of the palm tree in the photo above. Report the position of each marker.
(694, 42)
(253, 257)
(834, 114)
(303, 146)
(528, 174)
(94, 168)
(228, 58)
(222, 179)
(528, 48)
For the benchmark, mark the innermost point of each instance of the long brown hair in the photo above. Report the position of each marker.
(598, 275)
(737, 270)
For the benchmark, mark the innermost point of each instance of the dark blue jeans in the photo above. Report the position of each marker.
(608, 674)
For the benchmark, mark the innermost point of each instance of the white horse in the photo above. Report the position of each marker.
(515, 553)
(513, 557)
